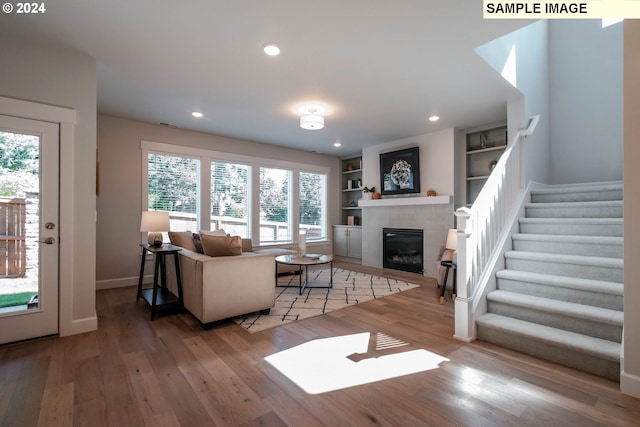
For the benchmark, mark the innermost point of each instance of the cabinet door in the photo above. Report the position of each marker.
(355, 243)
(340, 243)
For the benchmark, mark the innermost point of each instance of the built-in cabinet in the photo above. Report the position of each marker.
(484, 146)
(347, 243)
(351, 187)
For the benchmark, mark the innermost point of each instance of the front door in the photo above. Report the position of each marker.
(29, 187)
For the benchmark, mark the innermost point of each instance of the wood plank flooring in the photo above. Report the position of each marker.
(170, 372)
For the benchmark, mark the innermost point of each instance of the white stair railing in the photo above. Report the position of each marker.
(480, 227)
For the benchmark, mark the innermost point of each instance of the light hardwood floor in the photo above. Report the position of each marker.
(170, 372)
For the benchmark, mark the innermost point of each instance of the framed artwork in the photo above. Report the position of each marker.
(400, 172)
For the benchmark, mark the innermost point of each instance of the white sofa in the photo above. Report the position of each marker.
(216, 288)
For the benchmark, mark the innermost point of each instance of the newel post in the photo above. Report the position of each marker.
(464, 320)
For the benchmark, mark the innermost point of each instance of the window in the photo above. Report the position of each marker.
(270, 201)
(230, 200)
(275, 209)
(173, 185)
(313, 205)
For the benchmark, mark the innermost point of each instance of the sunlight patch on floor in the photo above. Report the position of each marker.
(335, 363)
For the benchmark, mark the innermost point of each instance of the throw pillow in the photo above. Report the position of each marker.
(184, 239)
(221, 245)
(198, 243)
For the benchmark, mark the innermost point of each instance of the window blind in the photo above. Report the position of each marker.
(275, 205)
(230, 201)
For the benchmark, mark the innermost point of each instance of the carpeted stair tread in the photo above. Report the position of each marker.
(611, 288)
(605, 191)
(604, 246)
(567, 259)
(585, 344)
(573, 226)
(590, 209)
(580, 311)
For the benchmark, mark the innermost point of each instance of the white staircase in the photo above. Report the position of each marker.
(561, 295)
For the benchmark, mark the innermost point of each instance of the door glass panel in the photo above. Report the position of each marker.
(19, 221)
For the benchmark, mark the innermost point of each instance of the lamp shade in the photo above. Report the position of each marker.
(154, 221)
(452, 239)
(311, 122)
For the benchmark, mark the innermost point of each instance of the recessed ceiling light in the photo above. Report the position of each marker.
(197, 114)
(434, 118)
(337, 144)
(271, 49)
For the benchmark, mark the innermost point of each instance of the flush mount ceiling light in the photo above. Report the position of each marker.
(197, 114)
(434, 118)
(271, 49)
(311, 121)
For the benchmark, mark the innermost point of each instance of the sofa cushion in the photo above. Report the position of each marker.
(221, 245)
(219, 232)
(184, 239)
(247, 246)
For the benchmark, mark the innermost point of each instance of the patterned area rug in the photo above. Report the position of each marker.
(349, 288)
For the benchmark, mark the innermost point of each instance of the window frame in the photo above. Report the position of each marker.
(254, 164)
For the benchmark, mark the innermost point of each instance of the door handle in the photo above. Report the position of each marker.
(48, 241)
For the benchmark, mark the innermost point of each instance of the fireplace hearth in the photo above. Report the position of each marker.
(403, 249)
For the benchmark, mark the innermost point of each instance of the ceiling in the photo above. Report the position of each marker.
(380, 68)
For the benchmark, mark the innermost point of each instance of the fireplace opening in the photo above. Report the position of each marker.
(402, 249)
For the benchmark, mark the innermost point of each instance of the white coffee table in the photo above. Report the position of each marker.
(303, 263)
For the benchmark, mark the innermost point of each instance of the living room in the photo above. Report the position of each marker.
(107, 250)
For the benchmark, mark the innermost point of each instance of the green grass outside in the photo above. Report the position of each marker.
(21, 298)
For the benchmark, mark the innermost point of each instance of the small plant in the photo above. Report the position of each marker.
(369, 189)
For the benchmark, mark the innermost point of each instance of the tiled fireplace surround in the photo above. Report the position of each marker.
(434, 219)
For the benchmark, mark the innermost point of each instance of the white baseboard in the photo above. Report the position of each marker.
(630, 384)
(79, 326)
(122, 282)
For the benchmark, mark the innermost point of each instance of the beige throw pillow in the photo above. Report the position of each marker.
(219, 232)
(221, 245)
(184, 239)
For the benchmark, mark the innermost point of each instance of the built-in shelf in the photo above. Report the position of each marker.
(472, 178)
(352, 189)
(405, 201)
(486, 150)
(352, 171)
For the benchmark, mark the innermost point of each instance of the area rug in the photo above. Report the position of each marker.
(349, 288)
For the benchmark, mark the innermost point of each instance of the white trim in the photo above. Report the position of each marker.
(123, 282)
(35, 111)
(630, 384)
(229, 157)
(66, 118)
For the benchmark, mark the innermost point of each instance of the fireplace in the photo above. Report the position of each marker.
(402, 249)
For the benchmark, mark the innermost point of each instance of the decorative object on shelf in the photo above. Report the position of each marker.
(483, 140)
(351, 220)
(492, 165)
(353, 204)
(367, 192)
(400, 171)
(431, 193)
(359, 183)
(154, 222)
(350, 167)
(376, 196)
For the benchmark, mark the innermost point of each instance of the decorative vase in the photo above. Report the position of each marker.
(366, 195)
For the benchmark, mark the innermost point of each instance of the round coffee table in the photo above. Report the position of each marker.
(303, 262)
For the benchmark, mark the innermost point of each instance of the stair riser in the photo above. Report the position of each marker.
(550, 351)
(567, 270)
(555, 320)
(569, 248)
(574, 212)
(578, 296)
(577, 196)
(573, 229)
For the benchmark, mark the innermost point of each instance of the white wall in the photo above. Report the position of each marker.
(630, 377)
(586, 101)
(436, 161)
(67, 79)
(530, 45)
(120, 201)
(436, 172)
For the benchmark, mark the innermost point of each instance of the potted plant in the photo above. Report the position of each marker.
(367, 192)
